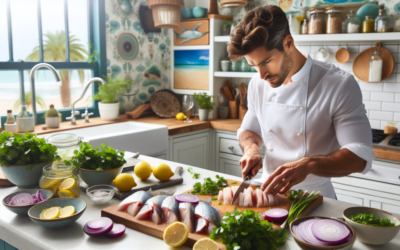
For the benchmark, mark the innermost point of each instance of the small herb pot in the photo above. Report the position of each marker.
(52, 121)
(98, 177)
(109, 111)
(203, 114)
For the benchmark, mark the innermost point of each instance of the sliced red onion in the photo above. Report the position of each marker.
(331, 231)
(38, 196)
(22, 199)
(276, 215)
(42, 197)
(304, 231)
(117, 231)
(8, 201)
(187, 198)
(107, 226)
(96, 224)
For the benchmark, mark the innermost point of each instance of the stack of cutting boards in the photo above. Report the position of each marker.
(148, 227)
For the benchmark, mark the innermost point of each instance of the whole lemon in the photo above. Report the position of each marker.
(162, 172)
(124, 182)
(143, 170)
(180, 116)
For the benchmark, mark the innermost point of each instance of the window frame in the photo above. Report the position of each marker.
(96, 36)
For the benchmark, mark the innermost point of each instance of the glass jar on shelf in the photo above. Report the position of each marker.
(397, 24)
(317, 22)
(333, 20)
(66, 144)
(304, 27)
(60, 179)
(293, 23)
(375, 67)
(383, 22)
(368, 25)
(352, 23)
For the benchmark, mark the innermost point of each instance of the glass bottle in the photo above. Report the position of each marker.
(293, 23)
(60, 179)
(316, 24)
(383, 22)
(352, 23)
(375, 67)
(333, 21)
(10, 117)
(397, 24)
(368, 25)
(304, 27)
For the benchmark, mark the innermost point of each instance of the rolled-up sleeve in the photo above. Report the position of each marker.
(353, 130)
(250, 121)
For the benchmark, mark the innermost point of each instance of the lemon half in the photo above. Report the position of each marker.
(67, 211)
(205, 244)
(51, 213)
(176, 234)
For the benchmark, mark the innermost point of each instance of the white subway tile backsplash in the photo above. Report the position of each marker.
(346, 66)
(380, 115)
(390, 106)
(373, 105)
(382, 96)
(365, 47)
(353, 48)
(396, 117)
(375, 124)
(353, 55)
(391, 87)
(397, 97)
(391, 48)
(371, 86)
(314, 48)
(391, 78)
(367, 95)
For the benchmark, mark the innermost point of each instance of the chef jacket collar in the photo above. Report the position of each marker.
(304, 71)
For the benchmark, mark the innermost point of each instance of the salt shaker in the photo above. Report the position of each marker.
(375, 67)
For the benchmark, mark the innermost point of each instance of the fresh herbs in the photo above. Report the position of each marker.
(246, 231)
(371, 220)
(204, 101)
(25, 149)
(194, 175)
(300, 201)
(235, 182)
(113, 88)
(220, 203)
(95, 158)
(209, 186)
(214, 198)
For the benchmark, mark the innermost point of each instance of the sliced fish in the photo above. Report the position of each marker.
(281, 199)
(241, 200)
(221, 195)
(228, 196)
(265, 200)
(156, 217)
(134, 202)
(259, 197)
(234, 189)
(207, 218)
(248, 197)
(147, 210)
(271, 200)
(186, 214)
(170, 210)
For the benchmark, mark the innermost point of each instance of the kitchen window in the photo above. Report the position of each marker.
(67, 34)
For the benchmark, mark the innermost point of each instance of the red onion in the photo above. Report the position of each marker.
(331, 231)
(187, 198)
(117, 231)
(22, 199)
(276, 215)
(96, 224)
(107, 226)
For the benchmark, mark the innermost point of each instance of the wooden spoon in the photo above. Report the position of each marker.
(229, 84)
(243, 93)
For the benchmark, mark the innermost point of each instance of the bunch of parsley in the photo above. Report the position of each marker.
(245, 231)
(209, 186)
(372, 220)
(96, 158)
(25, 149)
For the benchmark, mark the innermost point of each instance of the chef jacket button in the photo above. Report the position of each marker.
(273, 94)
(299, 134)
(301, 108)
(270, 130)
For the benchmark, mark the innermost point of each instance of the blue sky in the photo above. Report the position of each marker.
(191, 57)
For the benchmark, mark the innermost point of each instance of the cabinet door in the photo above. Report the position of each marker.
(193, 151)
(232, 167)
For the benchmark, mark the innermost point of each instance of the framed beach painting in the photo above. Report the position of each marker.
(191, 69)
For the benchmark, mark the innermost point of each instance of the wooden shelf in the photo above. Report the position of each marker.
(191, 47)
(352, 38)
(234, 74)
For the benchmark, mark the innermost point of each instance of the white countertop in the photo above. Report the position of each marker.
(22, 233)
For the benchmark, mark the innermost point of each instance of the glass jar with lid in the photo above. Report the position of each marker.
(304, 27)
(293, 22)
(368, 25)
(383, 22)
(60, 179)
(66, 144)
(317, 22)
(352, 23)
(375, 67)
(334, 20)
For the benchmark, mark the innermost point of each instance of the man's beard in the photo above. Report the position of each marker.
(286, 67)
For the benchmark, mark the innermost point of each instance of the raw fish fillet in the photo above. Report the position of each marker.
(148, 210)
(186, 214)
(206, 215)
(221, 195)
(156, 217)
(276, 200)
(227, 195)
(271, 200)
(241, 200)
(265, 200)
(281, 199)
(259, 197)
(135, 202)
(170, 210)
(234, 189)
(248, 198)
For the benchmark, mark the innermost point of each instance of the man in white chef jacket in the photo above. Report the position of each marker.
(309, 114)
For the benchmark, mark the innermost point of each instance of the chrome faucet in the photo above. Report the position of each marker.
(73, 112)
(86, 114)
(32, 79)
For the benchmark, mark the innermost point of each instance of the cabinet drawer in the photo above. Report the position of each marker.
(232, 167)
(230, 146)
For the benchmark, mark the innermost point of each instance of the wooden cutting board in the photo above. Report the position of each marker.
(3, 180)
(148, 227)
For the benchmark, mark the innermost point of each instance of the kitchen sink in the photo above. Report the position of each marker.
(145, 138)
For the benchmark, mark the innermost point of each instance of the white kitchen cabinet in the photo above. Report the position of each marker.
(191, 148)
(161, 156)
(230, 165)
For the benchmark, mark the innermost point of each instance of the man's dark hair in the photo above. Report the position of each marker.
(265, 25)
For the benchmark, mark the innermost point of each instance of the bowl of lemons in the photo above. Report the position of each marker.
(57, 212)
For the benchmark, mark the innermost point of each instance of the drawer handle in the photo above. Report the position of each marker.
(230, 148)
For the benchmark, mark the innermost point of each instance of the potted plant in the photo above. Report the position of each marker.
(205, 104)
(97, 165)
(109, 107)
(52, 117)
(22, 158)
(226, 28)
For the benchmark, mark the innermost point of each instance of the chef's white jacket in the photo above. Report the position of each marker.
(318, 113)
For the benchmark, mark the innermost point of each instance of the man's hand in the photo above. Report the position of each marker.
(286, 176)
(251, 161)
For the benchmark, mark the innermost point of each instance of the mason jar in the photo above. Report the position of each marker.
(334, 20)
(383, 22)
(294, 25)
(368, 25)
(60, 179)
(352, 23)
(66, 144)
(317, 22)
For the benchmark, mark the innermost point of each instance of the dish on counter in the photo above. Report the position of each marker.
(23, 209)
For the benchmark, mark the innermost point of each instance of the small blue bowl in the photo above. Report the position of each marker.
(186, 13)
(199, 12)
(24, 209)
(34, 212)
